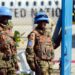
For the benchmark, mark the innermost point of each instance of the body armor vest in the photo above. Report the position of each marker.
(43, 46)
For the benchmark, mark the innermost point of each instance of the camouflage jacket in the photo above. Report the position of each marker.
(6, 39)
(39, 47)
(7, 45)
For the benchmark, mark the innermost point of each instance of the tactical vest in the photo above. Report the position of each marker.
(43, 46)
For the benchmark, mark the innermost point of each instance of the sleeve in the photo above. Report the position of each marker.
(3, 41)
(15, 61)
(14, 54)
(30, 51)
(56, 43)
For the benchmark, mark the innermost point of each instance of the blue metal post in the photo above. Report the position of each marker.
(66, 37)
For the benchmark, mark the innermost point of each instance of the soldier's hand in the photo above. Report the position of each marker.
(16, 66)
(32, 66)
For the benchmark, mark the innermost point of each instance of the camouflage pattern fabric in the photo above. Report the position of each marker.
(7, 52)
(44, 67)
(39, 52)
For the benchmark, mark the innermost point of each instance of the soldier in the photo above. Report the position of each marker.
(39, 51)
(7, 45)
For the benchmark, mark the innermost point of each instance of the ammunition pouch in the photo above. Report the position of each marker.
(5, 61)
(7, 58)
(4, 57)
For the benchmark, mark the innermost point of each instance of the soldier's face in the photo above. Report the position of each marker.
(4, 20)
(42, 25)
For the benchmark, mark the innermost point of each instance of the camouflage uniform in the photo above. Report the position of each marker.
(39, 52)
(7, 52)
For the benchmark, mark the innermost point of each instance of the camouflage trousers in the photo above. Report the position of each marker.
(8, 71)
(43, 67)
(6, 67)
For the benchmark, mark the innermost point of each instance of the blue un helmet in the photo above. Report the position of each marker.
(41, 16)
(4, 11)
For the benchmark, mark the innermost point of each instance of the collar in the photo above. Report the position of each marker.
(42, 32)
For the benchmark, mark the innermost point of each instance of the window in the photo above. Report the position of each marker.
(73, 17)
(19, 3)
(56, 2)
(27, 3)
(49, 3)
(42, 3)
(3, 3)
(34, 3)
(11, 4)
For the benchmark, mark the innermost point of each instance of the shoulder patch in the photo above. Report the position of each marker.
(30, 43)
